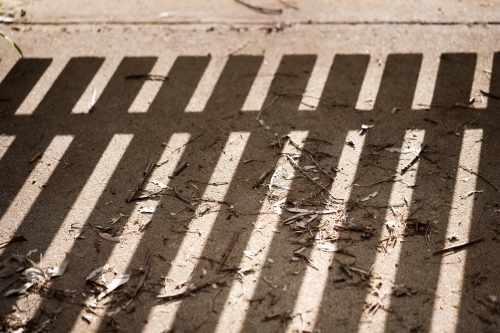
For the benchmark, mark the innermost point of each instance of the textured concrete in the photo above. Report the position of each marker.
(221, 66)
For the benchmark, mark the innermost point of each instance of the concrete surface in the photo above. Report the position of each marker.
(227, 66)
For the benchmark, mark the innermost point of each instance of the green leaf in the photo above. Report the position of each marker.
(18, 51)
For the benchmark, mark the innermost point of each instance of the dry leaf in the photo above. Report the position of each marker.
(59, 270)
(109, 238)
(370, 196)
(117, 281)
(147, 210)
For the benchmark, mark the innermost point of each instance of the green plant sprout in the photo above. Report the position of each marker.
(18, 51)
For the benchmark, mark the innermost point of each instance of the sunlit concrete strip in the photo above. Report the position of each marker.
(312, 288)
(43, 85)
(5, 142)
(97, 85)
(262, 83)
(448, 292)
(172, 153)
(151, 88)
(259, 244)
(88, 197)
(400, 192)
(426, 82)
(317, 81)
(33, 186)
(482, 78)
(193, 243)
(371, 83)
(207, 84)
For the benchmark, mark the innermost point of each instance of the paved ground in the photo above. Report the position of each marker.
(236, 93)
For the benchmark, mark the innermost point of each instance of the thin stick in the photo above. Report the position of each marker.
(480, 176)
(142, 277)
(185, 293)
(209, 313)
(180, 197)
(262, 177)
(308, 177)
(459, 246)
(262, 10)
(413, 160)
(289, 5)
(378, 182)
(229, 248)
(145, 175)
(301, 256)
(487, 94)
(181, 167)
(319, 167)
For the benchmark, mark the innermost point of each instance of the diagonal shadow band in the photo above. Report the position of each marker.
(96, 131)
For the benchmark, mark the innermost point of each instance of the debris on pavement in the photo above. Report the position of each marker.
(110, 238)
(117, 282)
(263, 10)
(459, 246)
(144, 175)
(13, 240)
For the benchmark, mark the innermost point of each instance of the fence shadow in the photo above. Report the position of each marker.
(344, 300)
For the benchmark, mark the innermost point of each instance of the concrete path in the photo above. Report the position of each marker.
(375, 125)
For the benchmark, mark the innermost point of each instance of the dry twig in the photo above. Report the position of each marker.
(459, 246)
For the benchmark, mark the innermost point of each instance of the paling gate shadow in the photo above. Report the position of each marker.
(51, 212)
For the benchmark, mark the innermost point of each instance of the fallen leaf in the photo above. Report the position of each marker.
(370, 196)
(327, 247)
(248, 254)
(307, 211)
(89, 318)
(109, 238)
(95, 272)
(117, 281)
(10, 268)
(162, 185)
(19, 290)
(276, 206)
(273, 177)
(401, 150)
(59, 270)
(147, 210)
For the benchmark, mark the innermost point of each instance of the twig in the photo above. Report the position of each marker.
(180, 196)
(480, 176)
(308, 177)
(413, 160)
(300, 255)
(229, 248)
(319, 167)
(378, 182)
(149, 77)
(209, 313)
(144, 272)
(13, 240)
(145, 175)
(241, 47)
(289, 5)
(459, 246)
(185, 293)
(262, 177)
(262, 10)
(179, 169)
(191, 140)
(488, 94)
(307, 150)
